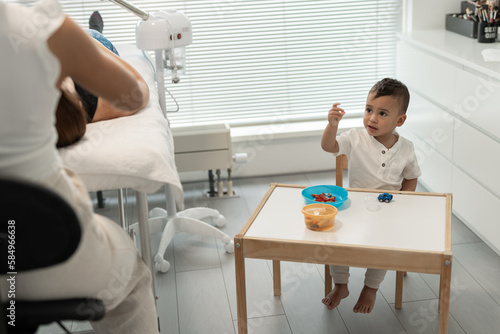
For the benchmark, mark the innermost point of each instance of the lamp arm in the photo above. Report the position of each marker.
(128, 6)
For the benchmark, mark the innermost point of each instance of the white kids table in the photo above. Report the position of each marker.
(411, 233)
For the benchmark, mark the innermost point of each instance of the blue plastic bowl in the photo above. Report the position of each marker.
(339, 193)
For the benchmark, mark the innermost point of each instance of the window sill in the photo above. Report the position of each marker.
(290, 130)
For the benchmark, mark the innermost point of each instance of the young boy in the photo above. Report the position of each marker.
(378, 159)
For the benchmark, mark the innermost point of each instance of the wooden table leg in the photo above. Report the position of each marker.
(241, 294)
(399, 289)
(277, 278)
(328, 280)
(444, 295)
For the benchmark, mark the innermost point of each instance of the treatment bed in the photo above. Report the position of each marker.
(138, 152)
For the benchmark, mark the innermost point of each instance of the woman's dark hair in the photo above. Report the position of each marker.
(71, 119)
(394, 88)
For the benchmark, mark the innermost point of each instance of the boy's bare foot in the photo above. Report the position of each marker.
(366, 300)
(339, 292)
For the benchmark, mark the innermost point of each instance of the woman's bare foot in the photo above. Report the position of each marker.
(366, 300)
(339, 292)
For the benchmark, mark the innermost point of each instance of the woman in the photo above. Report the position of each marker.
(39, 48)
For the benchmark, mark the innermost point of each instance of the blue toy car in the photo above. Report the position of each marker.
(385, 197)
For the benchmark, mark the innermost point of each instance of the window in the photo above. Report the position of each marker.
(264, 61)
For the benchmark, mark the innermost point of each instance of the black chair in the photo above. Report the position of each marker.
(38, 229)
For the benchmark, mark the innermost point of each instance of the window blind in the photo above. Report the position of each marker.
(267, 61)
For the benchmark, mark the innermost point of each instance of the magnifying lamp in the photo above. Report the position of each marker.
(163, 31)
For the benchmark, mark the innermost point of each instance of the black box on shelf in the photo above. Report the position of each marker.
(466, 4)
(455, 23)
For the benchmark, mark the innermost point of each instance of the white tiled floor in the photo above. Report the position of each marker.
(197, 294)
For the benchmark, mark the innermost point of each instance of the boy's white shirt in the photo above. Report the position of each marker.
(372, 165)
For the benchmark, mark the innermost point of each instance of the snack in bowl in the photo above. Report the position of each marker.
(319, 216)
(328, 194)
(323, 197)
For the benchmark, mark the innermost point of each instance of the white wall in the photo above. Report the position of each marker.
(428, 14)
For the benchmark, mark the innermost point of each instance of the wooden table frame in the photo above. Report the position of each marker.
(353, 255)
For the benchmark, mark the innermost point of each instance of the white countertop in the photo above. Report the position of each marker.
(457, 48)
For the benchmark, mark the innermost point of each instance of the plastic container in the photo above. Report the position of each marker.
(372, 203)
(319, 216)
(339, 193)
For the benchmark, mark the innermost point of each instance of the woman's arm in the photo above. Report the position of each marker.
(104, 109)
(134, 72)
(96, 69)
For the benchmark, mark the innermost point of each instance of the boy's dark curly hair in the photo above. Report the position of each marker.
(394, 88)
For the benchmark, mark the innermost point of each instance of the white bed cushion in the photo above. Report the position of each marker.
(129, 152)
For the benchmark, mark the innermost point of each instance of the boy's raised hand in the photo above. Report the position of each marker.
(328, 140)
(335, 114)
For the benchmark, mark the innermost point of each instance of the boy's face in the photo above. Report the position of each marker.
(382, 115)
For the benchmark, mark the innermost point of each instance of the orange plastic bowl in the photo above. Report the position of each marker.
(319, 216)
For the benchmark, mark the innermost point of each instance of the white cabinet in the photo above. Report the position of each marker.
(477, 207)
(436, 169)
(477, 99)
(202, 147)
(431, 123)
(429, 75)
(477, 155)
(454, 123)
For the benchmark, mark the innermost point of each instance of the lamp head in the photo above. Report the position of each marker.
(164, 31)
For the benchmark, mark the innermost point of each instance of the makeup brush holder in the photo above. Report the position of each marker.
(486, 32)
(461, 26)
